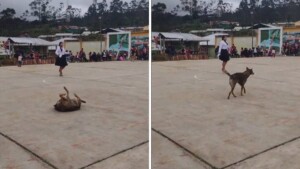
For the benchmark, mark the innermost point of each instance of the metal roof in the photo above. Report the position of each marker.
(55, 43)
(262, 25)
(66, 34)
(176, 36)
(29, 41)
(86, 33)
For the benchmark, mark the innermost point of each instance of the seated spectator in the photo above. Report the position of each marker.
(242, 52)
(104, 55)
(99, 57)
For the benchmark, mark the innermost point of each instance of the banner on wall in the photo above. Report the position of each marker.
(139, 40)
(119, 42)
(291, 38)
(270, 38)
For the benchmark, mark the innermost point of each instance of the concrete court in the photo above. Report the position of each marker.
(194, 124)
(110, 130)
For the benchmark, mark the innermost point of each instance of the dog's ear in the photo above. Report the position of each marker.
(247, 68)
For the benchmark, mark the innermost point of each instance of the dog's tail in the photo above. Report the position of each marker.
(227, 73)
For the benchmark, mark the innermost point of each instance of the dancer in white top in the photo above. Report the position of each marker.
(61, 59)
(223, 53)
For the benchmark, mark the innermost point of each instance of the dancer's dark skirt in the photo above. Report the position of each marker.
(61, 61)
(224, 55)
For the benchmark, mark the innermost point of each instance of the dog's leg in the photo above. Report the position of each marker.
(67, 92)
(79, 99)
(229, 94)
(244, 89)
(232, 84)
(62, 96)
(233, 90)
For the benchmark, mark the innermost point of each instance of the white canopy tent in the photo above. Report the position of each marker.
(176, 37)
(55, 43)
(25, 42)
(212, 39)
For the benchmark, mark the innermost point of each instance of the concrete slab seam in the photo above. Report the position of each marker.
(185, 149)
(29, 151)
(118, 153)
(264, 151)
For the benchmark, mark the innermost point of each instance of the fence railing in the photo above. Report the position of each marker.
(13, 61)
(165, 57)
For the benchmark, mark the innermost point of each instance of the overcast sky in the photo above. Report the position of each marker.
(21, 5)
(172, 3)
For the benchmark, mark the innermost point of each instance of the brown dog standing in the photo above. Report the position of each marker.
(240, 78)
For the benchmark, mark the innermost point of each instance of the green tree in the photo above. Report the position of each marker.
(159, 8)
(58, 13)
(102, 8)
(253, 4)
(42, 9)
(25, 15)
(7, 13)
(72, 13)
(116, 6)
(143, 4)
(197, 8)
(268, 4)
(223, 7)
(91, 17)
(243, 5)
(133, 5)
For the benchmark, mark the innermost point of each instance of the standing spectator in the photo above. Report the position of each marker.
(216, 51)
(273, 52)
(250, 52)
(233, 51)
(255, 52)
(133, 53)
(99, 57)
(77, 57)
(20, 55)
(188, 53)
(90, 55)
(296, 49)
(172, 52)
(242, 52)
(72, 57)
(104, 56)
(81, 52)
(84, 57)
(93, 57)
(156, 40)
(109, 55)
(284, 49)
(37, 57)
(68, 56)
(246, 52)
(168, 52)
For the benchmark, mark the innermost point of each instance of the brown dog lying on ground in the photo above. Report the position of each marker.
(240, 78)
(66, 104)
